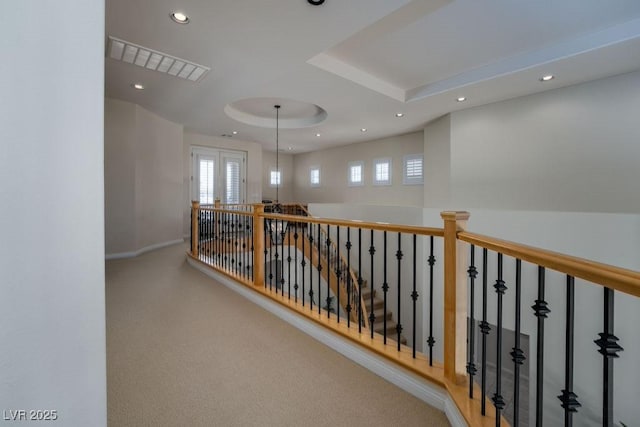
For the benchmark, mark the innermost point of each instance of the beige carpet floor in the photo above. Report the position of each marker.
(183, 350)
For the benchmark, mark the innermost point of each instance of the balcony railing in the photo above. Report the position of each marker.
(422, 297)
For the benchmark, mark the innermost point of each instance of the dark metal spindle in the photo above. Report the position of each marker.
(568, 398)
(360, 280)
(517, 355)
(541, 310)
(328, 272)
(303, 263)
(319, 271)
(399, 257)
(484, 329)
(414, 295)
(282, 234)
(289, 266)
(266, 229)
(471, 365)
(295, 260)
(372, 316)
(609, 350)
(385, 286)
(498, 400)
(311, 266)
(348, 246)
(338, 271)
(431, 341)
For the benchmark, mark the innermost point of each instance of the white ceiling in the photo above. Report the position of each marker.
(363, 61)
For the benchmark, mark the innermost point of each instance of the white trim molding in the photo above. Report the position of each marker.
(123, 255)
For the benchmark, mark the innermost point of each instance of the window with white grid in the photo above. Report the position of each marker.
(382, 171)
(356, 173)
(275, 177)
(314, 176)
(413, 169)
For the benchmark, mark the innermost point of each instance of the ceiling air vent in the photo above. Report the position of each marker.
(150, 59)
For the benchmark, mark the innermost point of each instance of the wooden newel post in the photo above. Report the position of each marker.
(258, 245)
(455, 296)
(195, 232)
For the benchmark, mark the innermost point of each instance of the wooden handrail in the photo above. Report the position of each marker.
(620, 279)
(222, 210)
(409, 229)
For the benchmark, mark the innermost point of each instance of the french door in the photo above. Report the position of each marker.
(218, 174)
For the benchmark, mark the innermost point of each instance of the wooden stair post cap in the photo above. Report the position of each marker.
(455, 215)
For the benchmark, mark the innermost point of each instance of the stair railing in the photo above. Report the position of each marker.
(472, 309)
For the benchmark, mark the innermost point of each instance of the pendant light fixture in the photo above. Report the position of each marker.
(277, 107)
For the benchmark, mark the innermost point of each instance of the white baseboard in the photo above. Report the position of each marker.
(419, 387)
(122, 255)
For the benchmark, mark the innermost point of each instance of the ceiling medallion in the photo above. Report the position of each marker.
(259, 112)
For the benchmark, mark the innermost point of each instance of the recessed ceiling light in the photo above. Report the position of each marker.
(235, 132)
(137, 86)
(546, 78)
(179, 17)
(461, 98)
(317, 134)
(363, 130)
(399, 114)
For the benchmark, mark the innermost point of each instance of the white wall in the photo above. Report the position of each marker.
(143, 179)
(285, 163)
(158, 179)
(119, 176)
(437, 163)
(52, 316)
(333, 164)
(254, 168)
(571, 149)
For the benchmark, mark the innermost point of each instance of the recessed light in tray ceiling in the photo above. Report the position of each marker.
(131, 53)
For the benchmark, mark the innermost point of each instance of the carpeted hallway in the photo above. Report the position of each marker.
(183, 350)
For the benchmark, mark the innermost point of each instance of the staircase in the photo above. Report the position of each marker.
(378, 311)
(339, 283)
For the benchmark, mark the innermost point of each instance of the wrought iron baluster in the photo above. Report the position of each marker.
(431, 340)
(303, 263)
(399, 257)
(385, 285)
(200, 232)
(484, 329)
(498, 399)
(517, 355)
(541, 311)
(266, 251)
(328, 272)
(282, 234)
(311, 266)
(250, 266)
(295, 261)
(609, 349)
(414, 295)
(338, 271)
(471, 365)
(319, 267)
(226, 242)
(372, 316)
(288, 264)
(234, 242)
(568, 398)
(360, 280)
(349, 307)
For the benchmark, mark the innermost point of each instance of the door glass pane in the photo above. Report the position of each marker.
(207, 170)
(233, 182)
